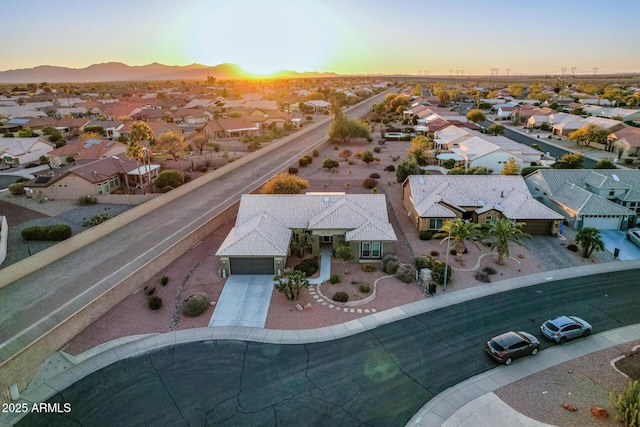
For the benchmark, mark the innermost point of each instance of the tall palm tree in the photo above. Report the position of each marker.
(140, 131)
(134, 151)
(502, 231)
(459, 231)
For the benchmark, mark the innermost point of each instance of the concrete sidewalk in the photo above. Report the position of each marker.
(457, 406)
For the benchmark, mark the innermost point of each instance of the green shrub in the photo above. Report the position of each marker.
(334, 278)
(316, 153)
(330, 164)
(164, 280)
(572, 247)
(309, 159)
(376, 149)
(423, 262)
(365, 289)
(406, 273)
(437, 271)
(97, 219)
(340, 297)
(169, 177)
(47, 233)
(390, 168)
(195, 304)
(149, 291)
(628, 161)
(385, 263)
(489, 270)
(303, 162)
(16, 189)
(154, 302)
(627, 404)
(59, 232)
(293, 171)
(166, 188)
(370, 183)
(434, 253)
(426, 235)
(482, 276)
(309, 266)
(449, 163)
(89, 199)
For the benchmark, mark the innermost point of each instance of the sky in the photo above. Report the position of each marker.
(420, 37)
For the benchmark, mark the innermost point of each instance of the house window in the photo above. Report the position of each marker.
(612, 192)
(370, 250)
(114, 182)
(326, 240)
(490, 218)
(435, 224)
(103, 188)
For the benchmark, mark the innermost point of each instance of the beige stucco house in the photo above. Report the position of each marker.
(260, 241)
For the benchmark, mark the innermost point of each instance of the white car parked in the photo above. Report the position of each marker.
(633, 234)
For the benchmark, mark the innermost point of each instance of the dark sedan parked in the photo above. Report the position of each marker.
(511, 345)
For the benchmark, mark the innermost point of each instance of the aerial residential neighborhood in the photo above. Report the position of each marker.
(283, 213)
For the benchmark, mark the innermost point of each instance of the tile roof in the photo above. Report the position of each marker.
(361, 215)
(481, 193)
(262, 235)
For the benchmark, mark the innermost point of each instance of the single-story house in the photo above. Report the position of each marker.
(230, 128)
(20, 151)
(629, 138)
(86, 149)
(607, 199)
(431, 200)
(260, 241)
(318, 105)
(86, 177)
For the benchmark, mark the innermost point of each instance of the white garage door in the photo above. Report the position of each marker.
(603, 223)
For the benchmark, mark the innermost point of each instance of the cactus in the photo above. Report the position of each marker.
(627, 404)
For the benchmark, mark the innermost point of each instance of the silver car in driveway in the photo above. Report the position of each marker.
(633, 234)
(564, 328)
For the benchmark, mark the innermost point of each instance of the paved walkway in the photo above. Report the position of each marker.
(468, 403)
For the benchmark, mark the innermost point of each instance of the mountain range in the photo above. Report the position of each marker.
(117, 71)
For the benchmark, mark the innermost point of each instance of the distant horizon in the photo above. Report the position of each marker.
(351, 37)
(453, 74)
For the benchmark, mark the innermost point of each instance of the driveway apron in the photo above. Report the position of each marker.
(244, 301)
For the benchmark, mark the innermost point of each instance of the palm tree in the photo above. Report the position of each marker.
(134, 151)
(459, 231)
(140, 131)
(502, 231)
(589, 239)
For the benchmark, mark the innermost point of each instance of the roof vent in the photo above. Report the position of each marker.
(421, 180)
(502, 194)
(326, 199)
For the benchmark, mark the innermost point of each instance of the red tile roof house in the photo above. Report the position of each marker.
(97, 177)
(431, 200)
(86, 149)
(260, 241)
(230, 128)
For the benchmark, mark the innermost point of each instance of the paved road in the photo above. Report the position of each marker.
(380, 377)
(547, 148)
(113, 257)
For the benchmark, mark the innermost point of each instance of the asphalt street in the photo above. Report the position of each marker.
(103, 263)
(381, 377)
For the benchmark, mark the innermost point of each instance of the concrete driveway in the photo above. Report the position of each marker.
(244, 301)
(616, 239)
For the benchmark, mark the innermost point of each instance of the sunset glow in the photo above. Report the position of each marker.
(346, 37)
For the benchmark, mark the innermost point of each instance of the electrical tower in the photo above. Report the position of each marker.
(450, 72)
(573, 71)
(595, 70)
(564, 69)
(508, 70)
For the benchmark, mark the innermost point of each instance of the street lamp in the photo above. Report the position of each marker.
(446, 258)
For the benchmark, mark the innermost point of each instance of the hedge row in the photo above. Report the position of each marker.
(50, 232)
